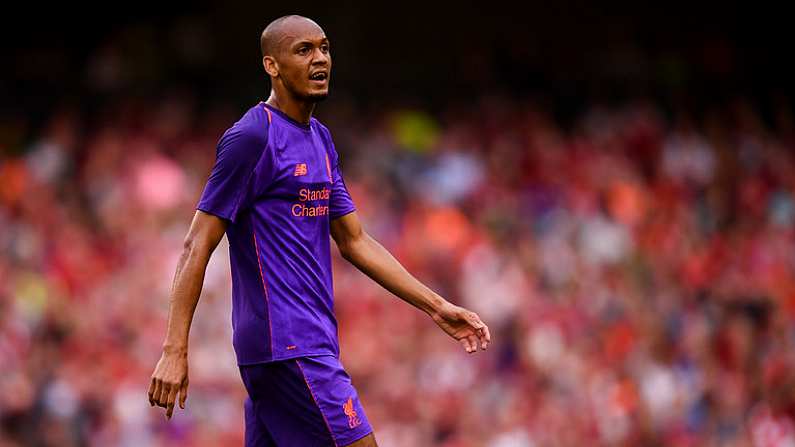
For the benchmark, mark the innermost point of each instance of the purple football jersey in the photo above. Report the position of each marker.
(278, 184)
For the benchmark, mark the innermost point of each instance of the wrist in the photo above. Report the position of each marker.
(435, 305)
(175, 348)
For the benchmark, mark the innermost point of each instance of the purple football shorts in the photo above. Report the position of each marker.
(307, 401)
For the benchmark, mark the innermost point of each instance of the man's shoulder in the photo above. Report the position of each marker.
(325, 134)
(251, 128)
(254, 123)
(320, 126)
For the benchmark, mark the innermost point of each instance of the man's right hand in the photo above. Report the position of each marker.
(169, 379)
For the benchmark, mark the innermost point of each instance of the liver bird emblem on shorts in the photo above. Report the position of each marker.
(353, 418)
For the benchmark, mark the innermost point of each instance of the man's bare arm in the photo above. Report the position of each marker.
(364, 252)
(170, 377)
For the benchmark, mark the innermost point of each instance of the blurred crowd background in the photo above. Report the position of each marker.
(612, 189)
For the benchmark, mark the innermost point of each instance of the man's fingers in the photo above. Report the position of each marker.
(183, 394)
(486, 338)
(170, 408)
(172, 397)
(156, 392)
(473, 341)
(465, 343)
(151, 392)
(481, 330)
(163, 398)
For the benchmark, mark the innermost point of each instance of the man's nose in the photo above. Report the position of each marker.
(319, 57)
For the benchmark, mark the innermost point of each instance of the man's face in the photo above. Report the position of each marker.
(304, 63)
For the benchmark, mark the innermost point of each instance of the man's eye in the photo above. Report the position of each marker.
(324, 48)
(303, 50)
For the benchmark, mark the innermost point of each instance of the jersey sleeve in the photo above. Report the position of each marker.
(340, 201)
(239, 155)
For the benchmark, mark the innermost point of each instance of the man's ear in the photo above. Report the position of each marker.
(271, 67)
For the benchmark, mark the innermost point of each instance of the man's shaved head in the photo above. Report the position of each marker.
(282, 28)
(296, 55)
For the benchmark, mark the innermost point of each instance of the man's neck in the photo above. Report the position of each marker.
(300, 111)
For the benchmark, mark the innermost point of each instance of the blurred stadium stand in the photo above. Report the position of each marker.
(611, 187)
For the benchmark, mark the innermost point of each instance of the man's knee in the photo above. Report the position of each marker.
(367, 441)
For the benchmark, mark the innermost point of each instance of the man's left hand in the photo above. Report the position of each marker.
(463, 325)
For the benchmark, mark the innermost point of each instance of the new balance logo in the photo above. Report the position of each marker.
(353, 418)
(300, 169)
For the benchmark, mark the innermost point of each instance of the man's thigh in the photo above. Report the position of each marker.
(257, 434)
(367, 441)
(308, 401)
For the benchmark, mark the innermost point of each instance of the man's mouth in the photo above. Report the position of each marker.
(319, 76)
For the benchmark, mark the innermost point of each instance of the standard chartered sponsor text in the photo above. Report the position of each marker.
(302, 209)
